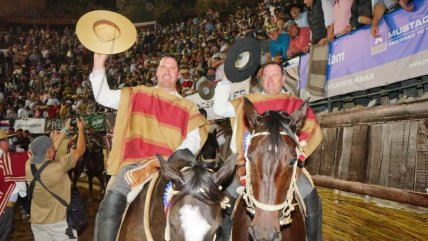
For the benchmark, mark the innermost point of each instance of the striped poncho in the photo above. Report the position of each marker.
(12, 169)
(151, 121)
(310, 135)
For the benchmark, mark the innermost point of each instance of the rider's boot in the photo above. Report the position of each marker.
(313, 220)
(226, 224)
(312, 201)
(109, 216)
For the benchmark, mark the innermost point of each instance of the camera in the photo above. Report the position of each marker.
(73, 122)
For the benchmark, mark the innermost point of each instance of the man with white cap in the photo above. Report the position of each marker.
(48, 215)
(12, 183)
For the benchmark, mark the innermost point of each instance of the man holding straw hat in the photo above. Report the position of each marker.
(150, 120)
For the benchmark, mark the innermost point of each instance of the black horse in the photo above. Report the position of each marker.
(92, 161)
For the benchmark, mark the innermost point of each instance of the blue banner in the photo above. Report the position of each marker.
(358, 61)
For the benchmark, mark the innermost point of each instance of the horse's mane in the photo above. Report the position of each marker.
(201, 184)
(277, 121)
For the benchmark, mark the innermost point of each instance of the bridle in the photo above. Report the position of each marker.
(286, 207)
(170, 192)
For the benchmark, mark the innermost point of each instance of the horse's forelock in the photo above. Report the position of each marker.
(276, 122)
(200, 184)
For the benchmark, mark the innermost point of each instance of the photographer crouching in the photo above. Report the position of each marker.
(48, 214)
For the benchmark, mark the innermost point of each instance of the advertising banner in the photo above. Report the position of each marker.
(32, 125)
(359, 61)
(97, 121)
(236, 90)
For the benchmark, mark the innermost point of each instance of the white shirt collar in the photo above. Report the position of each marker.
(172, 93)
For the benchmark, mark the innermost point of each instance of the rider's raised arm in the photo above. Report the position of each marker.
(222, 106)
(102, 92)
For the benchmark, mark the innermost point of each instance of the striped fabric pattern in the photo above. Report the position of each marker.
(150, 121)
(12, 169)
(310, 134)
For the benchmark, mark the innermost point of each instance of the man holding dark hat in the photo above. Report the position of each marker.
(12, 183)
(48, 215)
(274, 98)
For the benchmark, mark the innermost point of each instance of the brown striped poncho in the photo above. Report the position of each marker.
(151, 121)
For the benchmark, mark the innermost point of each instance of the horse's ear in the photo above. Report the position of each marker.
(250, 113)
(169, 172)
(226, 170)
(299, 115)
(179, 158)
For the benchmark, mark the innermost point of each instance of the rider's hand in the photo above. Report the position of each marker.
(99, 61)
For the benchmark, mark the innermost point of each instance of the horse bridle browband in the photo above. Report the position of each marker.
(224, 204)
(286, 206)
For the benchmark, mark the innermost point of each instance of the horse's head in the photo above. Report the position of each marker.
(195, 209)
(272, 154)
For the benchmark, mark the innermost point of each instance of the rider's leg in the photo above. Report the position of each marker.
(309, 194)
(112, 207)
(226, 224)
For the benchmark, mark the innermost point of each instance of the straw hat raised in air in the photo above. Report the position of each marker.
(106, 32)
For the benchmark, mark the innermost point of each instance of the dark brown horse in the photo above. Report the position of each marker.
(92, 161)
(271, 165)
(194, 211)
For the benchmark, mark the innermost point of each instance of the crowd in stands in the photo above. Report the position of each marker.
(44, 70)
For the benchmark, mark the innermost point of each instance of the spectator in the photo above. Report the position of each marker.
(186, 82)
(278, 44)
(361, 13)
(379, 8)
(12, 183)
(298, 15)
(48, 215)
(22, 112)
(342, 15)
(316, 22)
(300, 38)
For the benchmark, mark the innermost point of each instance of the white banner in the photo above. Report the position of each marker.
(236, 90)
(206, 104)
(239, 89)
(33, 125)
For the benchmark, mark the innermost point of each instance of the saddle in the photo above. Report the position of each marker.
(139, 176)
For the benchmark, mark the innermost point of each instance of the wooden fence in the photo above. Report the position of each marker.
(385, 146)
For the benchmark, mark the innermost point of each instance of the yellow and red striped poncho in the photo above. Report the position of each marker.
(151, 121)
(310, 135)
